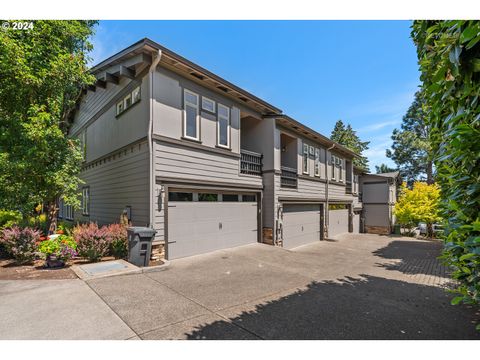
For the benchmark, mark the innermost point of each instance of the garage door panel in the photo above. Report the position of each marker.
(301, 225)
(196, 227)
(338, 222)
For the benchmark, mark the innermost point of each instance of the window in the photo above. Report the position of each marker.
(332, 163)
(208, 104)
(207, 197)
(317, 162)
(180, 196)
(305, 158)
(223, 126)
(120, 107)
(83, 144)
(340, 168)
(68, 210)
(136, 95)
(191, 124)
(249, 198)
(337, 206)
(85, 201)
(60, 208)
(230, 197)
(128, 100)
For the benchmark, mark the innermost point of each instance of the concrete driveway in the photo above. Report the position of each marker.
(357, 287)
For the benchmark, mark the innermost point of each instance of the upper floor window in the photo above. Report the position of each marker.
(60, 208)
(340, 169)
(128, 100)
(223, 126)
(208, 104)
(332, 163)
(305, 158)
(317, 162)
(191, 120)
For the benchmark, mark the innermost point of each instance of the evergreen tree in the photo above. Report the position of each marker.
(383, 168)
(347, 137)
(411, 149)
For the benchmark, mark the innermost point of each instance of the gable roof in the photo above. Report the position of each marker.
(142, 50)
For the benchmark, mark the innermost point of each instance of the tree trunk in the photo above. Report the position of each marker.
(429, 172)
(52, 217)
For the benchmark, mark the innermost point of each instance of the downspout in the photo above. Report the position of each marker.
(155, 60)
(327, 213)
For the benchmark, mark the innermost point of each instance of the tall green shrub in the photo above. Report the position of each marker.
(449, 59)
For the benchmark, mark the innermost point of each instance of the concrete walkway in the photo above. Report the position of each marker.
(357, 287)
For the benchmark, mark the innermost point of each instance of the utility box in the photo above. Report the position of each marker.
(140, 244)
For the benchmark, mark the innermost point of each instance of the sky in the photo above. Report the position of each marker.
(362, 72)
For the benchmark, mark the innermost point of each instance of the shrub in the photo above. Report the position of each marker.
(64, 227)
(9, 218)
(92, 241)
(63, 247)
(20, 243)
(117, 236)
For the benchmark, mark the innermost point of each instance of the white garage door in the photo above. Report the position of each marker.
(356, 223)
(301, 225)
(203, 222)
(338, 221)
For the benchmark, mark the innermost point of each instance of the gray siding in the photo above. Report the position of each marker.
(118, 181)
(377, 214)
(269, 200)
(375, 193)
(168, 111)
(306, 189)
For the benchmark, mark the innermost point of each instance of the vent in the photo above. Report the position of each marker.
(197, 75)
(244, 99)
(223, 88)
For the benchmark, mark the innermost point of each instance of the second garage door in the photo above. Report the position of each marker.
(204, 222)
(338, 220)
(301, 225)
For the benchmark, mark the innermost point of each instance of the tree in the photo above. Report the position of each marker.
(448, 54)
(411, 147)
(42, 73)
(347, 137)
(383, 168)
(419, 204)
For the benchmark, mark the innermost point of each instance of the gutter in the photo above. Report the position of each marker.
(327, 213)
(151, 71)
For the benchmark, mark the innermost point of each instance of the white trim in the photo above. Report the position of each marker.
(333, 166)
(212, 101)
(228, 125)
(197, 117)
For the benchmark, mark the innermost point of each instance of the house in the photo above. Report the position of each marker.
(379, 194)
(205, 163)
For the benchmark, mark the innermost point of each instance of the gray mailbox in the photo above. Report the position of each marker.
(140, 244)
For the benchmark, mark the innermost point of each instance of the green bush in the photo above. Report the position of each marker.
(9, 218)
(448, 53)
(63, 247)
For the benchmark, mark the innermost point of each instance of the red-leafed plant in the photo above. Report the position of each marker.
(92, 242)
(21, 244)
(117, 235)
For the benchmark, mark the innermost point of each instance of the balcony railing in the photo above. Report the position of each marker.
(288, 177)
(250, 163)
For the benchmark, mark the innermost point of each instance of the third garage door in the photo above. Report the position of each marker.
(301, 225)
(338, 220)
